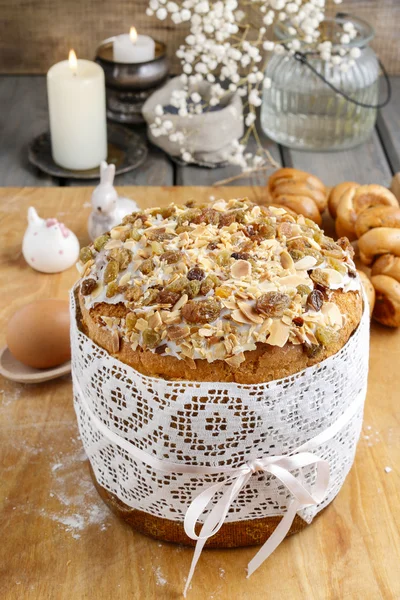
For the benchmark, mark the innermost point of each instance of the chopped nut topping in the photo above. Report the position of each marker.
(211, 281)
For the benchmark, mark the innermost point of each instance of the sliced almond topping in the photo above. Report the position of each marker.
(313, 243)
(97, 290)
(200, 242)
(333, 277)
(155, 320)
(236, 360)
(241, 268)
(190, 362)
(293, 281)
(279, 334)
(228, 346)
(265, 327)
(242, 295)
(107, 321)
(113, 244)
(305, 263)
(286, 260)
(239, 317)
(220, 206)
(114, 342)
(268, 286)
(135, 337)
(130, 244)
(117, 232)
(87, 266)
(250, 313)
(275, 210)
(172, 317)
(178, 333)
(199, 231)
(184, 237)
(181, 302)
(332, 314)
(311, 338)
(135, 265)
(124, 279)
(141, 324)
(217, 351)
(206, 332)
(229, 304)
(187, 349)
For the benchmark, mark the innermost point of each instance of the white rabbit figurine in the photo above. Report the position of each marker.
(48, 246)
(108, 209)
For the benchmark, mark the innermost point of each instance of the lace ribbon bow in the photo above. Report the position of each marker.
(278, 466)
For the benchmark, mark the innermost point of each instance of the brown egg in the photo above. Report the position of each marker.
(38, 334)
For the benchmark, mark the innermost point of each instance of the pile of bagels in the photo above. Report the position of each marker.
(368, 215)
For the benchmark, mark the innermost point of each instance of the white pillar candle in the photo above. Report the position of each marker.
(77, 110)
(133, 48)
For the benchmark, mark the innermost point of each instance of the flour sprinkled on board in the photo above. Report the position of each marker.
(160, 579)
(10, 395)
(79, 505)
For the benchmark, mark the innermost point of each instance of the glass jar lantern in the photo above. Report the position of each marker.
(301, 111)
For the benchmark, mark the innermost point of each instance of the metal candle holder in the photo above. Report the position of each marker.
(128, 85)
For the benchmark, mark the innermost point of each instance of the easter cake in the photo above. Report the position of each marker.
(224, 292)
(227, 292)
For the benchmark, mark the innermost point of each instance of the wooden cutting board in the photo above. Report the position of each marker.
(58, 540)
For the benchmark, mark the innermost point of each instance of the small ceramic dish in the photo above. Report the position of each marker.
(14, 370)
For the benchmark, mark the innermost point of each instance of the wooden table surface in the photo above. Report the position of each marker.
(58, 540)
(24, 115)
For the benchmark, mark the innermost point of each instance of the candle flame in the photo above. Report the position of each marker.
(73, 62)
(133, 35)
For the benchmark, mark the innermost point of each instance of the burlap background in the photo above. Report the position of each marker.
(34, 34)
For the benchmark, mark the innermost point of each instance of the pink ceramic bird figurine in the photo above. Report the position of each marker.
(49, 246)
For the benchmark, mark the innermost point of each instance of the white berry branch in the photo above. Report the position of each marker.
(228, 44)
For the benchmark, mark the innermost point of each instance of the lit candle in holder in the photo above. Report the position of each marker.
(77, 111)
(133, 48)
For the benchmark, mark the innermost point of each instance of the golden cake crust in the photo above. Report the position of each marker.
(266, 363)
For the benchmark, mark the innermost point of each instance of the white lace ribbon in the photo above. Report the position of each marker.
(237, 478)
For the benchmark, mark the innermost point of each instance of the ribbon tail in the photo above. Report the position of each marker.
(275, 539)
(196, 555)
(214, 519)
